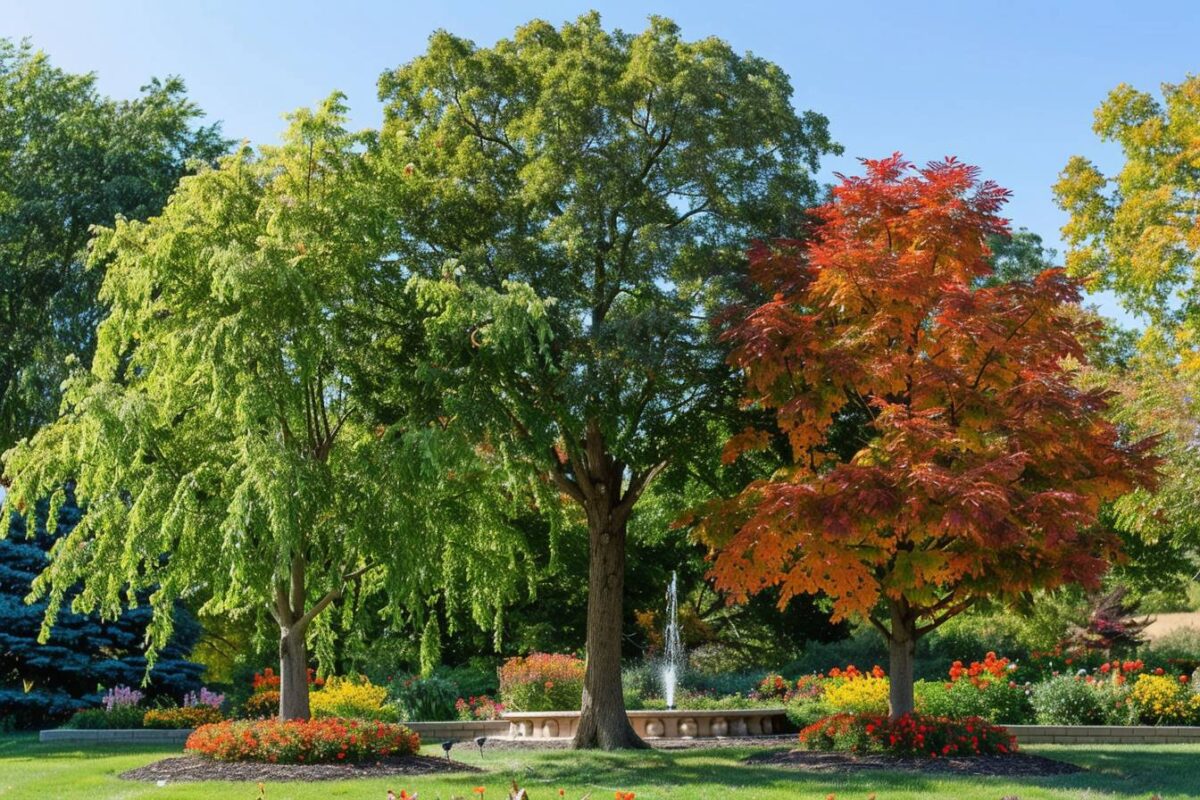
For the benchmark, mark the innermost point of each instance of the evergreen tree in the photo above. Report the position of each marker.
(46, 682)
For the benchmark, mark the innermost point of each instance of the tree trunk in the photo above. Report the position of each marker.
(293, 674)
(602, 719)
(902, 644)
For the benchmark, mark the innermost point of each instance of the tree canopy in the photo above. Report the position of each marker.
(213, 439)
(976, 467)
(72, 159)
(569, 205)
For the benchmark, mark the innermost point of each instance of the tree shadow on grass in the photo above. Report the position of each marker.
(1120, 771)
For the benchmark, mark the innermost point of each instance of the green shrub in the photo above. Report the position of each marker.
(101, 719)
(804, 711)
(721, 683)
(994, 701)
(541, 682)
(1067, 700)
(420, 699)
(1177, 651)
(473, 679)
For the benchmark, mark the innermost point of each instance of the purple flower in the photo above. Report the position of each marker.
(121, 696)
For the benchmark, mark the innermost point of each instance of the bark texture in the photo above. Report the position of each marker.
(902, 647)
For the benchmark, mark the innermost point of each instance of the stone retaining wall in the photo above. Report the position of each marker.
(105, 737)
(1104, 734)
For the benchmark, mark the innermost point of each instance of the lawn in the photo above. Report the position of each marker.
(31, 770)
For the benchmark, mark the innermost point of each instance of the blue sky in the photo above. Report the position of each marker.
(1009, 86)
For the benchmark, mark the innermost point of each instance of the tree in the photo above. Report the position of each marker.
(72, 159)
(977, 467)
(1135, 232)
(213, 441)
(569, 203)
(46, 682)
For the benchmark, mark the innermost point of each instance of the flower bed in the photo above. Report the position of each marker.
(186, 717)
(912, 735)
(319, 741)
(541, 682)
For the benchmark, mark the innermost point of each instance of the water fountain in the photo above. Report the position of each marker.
(673, 656)
(673, 723)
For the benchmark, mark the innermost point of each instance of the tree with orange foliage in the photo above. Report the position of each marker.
(941, 450)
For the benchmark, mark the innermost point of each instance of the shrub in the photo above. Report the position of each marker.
(1067, 700)
(119, 717)
(186, 717)
(910, 735)
(804, 711)
(541, 682)
(482, 707)
(319, 741)
(429, 699)
(993, 701)
(351, 698)
(1165, 700)
(261, 705)
(852, 691)
(773, 687)
(1178, 650)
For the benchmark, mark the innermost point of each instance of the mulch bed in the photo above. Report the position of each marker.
(187, 769)
(1016, 764)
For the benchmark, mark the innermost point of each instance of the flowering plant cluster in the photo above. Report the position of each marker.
(541, 682)
(192, 716)
(121, 697)
(980, 673)
(481, 707)
(353, 697)
(1162, 700)
(773, 687)
(203, 698)
(318, 741)
(856, 691)
(268, 681)
(912, 735)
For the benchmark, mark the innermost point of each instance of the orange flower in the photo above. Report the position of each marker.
(479, 790)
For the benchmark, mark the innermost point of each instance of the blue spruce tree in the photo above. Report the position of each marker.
(46, 683)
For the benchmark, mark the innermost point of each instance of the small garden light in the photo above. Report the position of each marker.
(446, 745)
(480, 741)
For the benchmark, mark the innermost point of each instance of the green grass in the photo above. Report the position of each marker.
(32, 770)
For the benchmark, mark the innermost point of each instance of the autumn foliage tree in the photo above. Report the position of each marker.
(942, 452)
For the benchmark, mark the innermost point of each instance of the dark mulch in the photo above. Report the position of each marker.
(186, 769)
(1016, 764)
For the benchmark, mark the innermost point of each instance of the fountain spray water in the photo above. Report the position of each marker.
(673, 659)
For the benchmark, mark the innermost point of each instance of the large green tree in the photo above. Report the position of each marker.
(71, 158)
(571, 206)
(213, 440)
(1136, 231)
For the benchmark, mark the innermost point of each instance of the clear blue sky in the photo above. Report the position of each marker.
(1009, 86)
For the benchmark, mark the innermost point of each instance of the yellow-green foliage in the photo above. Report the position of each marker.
(351, 698)
(860, 695)
(1164, 700)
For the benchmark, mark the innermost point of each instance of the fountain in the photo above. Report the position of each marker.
(673, 723)
(673, 656)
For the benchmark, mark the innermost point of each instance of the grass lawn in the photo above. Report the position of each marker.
(32, 770)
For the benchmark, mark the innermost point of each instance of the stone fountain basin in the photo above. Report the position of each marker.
(677, 724)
